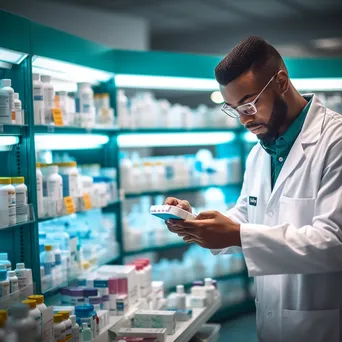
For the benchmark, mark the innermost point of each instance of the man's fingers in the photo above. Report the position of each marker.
(185, 205)
(206, 215)
(172, 201)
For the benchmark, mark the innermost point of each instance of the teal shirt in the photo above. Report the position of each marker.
(281, 147)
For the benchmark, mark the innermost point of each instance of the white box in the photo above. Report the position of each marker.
(117, 271)
(156, 319)
(198, 301)
(160, 334)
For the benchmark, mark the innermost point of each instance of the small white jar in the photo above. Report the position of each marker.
(7, 203)
(20, 199)
(35, 314)
(13, 279)
(59, 329)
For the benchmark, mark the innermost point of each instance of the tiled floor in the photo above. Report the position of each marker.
(239, 330)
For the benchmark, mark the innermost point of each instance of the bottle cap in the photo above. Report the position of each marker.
(38, 298)
(3, 256)
(5, 180)
(68, 164)
(35, 77)
(11, 274)
(58, 318)
(30, 303)
(16, 96)
(180, 289)
(85, 326)
(19, 311)
(208, 282)
(18, 180)
(20, 266)
(52, 168)
(48, 248)
(4, 314)
(65, 314)
(3, 275)
(45, 78)
(6, 82)
(73, 319)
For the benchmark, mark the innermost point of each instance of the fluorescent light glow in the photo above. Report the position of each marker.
(216, 97)
(8, 140)
(174, 139)
(68, 71)
(55, 142)
(320, 84)
(10, 56)
(250, 137)
(164, 82)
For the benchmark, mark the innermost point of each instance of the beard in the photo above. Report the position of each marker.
(277, 120)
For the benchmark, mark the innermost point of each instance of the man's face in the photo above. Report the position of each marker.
(272, 109)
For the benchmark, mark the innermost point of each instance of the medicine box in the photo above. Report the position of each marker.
(159, 334)
(167, 212)
(156, 319)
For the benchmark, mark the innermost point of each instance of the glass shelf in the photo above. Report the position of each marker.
(8, 129)
(155, 249)
(46, 129)
(4, 218)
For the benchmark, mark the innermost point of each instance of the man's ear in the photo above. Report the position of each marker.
(283, 81)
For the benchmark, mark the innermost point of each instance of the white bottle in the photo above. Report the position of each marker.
(38, 100)
(69, 174)
(35, 314)
(124, 120)
(21, 273)
(68, 324)
(86, 333)
(29, 276)
(13, 279)
(20, 199)
(210, 290)
(49, 97)
(4, 284)
(54, 183)
(7, 203)
(5, 108)
(39, 178)
(22, 324)
(18, 107)
(59, 329)
(180, 297)
(4, 259)
(85, 105)
(5, 86)
(47, 258)
(75, 329)
(61, 101)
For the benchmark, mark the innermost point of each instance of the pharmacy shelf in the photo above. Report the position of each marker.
(180, 130)
(156, 249)
(111, 204)
(231, 311)
(180, 190)
(51, 129)
(230, 276)
(22, 224)
(12, 129)
(53, 292)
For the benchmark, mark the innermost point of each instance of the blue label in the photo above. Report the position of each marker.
(66, 187)
(48, 268)
(78, 105)
(58, 258)
(38, 98)
(101, 283)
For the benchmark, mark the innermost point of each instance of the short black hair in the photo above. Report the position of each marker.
(253, 53)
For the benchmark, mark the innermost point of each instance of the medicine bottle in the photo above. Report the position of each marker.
(4, 260)
(75, 329)
(54, 183)
(68, 324)
(38, 100)
(47, 258)
(13, 280)
(35, 314)
(19, 120)
(20, 199)
(7, 203)
(48, 96)
(21, 273)
(5, 86)
(59, 329)
(39, 185)
(4, 284)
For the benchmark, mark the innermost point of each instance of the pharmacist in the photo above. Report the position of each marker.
(288, 218)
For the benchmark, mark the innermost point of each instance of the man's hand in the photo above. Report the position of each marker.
(185, 205)
(210, 229)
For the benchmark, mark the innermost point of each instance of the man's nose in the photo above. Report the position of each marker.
(246, 119)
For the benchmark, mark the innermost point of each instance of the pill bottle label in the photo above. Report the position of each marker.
(14, 285)
(48, 267)
(22, 281)
(4, 289)
(38, 93)
(5, 110)
(54, 190)
(11, 208)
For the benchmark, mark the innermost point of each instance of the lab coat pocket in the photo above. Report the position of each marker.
(313, 326)
(296, 211)
(259, 320)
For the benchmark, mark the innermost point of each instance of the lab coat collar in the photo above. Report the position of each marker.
(313, 123)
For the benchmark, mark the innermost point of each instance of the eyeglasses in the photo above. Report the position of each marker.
(246, 108)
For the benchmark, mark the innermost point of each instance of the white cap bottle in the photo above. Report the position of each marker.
(5, 86)
(180, 297)
(23, 325)
(75, 329)
(17, 107)
(39, 178)
(4, 259)
(49, 98)
(35, 314)
(38, 100)
(13, 279)
(21, 273)
(210, 289)
(86, 333)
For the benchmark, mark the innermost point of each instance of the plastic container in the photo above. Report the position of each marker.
(68, 324)
(5, 85)
(96, 301)
(75, 329)
(20, 198)
(22, 324)
(61, 101)
(38, 100)
(59, 328)
(207, 333)
(49, 97)
(13, 279)
(85, 105)
(19, 120)
(21, 273)
(39, 302)
(47, 258)
(7, 203)
(69, 174)
(35, 314)
(4, 260)
(5, 109)
(180, 298)
(39, 179)
(86, 333)
(210, 290)
(4, 284)
(54, 183)
(124, 120)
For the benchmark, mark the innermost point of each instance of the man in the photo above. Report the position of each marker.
(288, 218)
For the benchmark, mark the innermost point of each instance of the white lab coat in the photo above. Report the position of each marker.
(292, 238)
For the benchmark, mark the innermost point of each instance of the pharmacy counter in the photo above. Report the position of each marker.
(184, 330)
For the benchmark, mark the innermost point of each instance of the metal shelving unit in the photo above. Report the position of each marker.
(156, 249)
